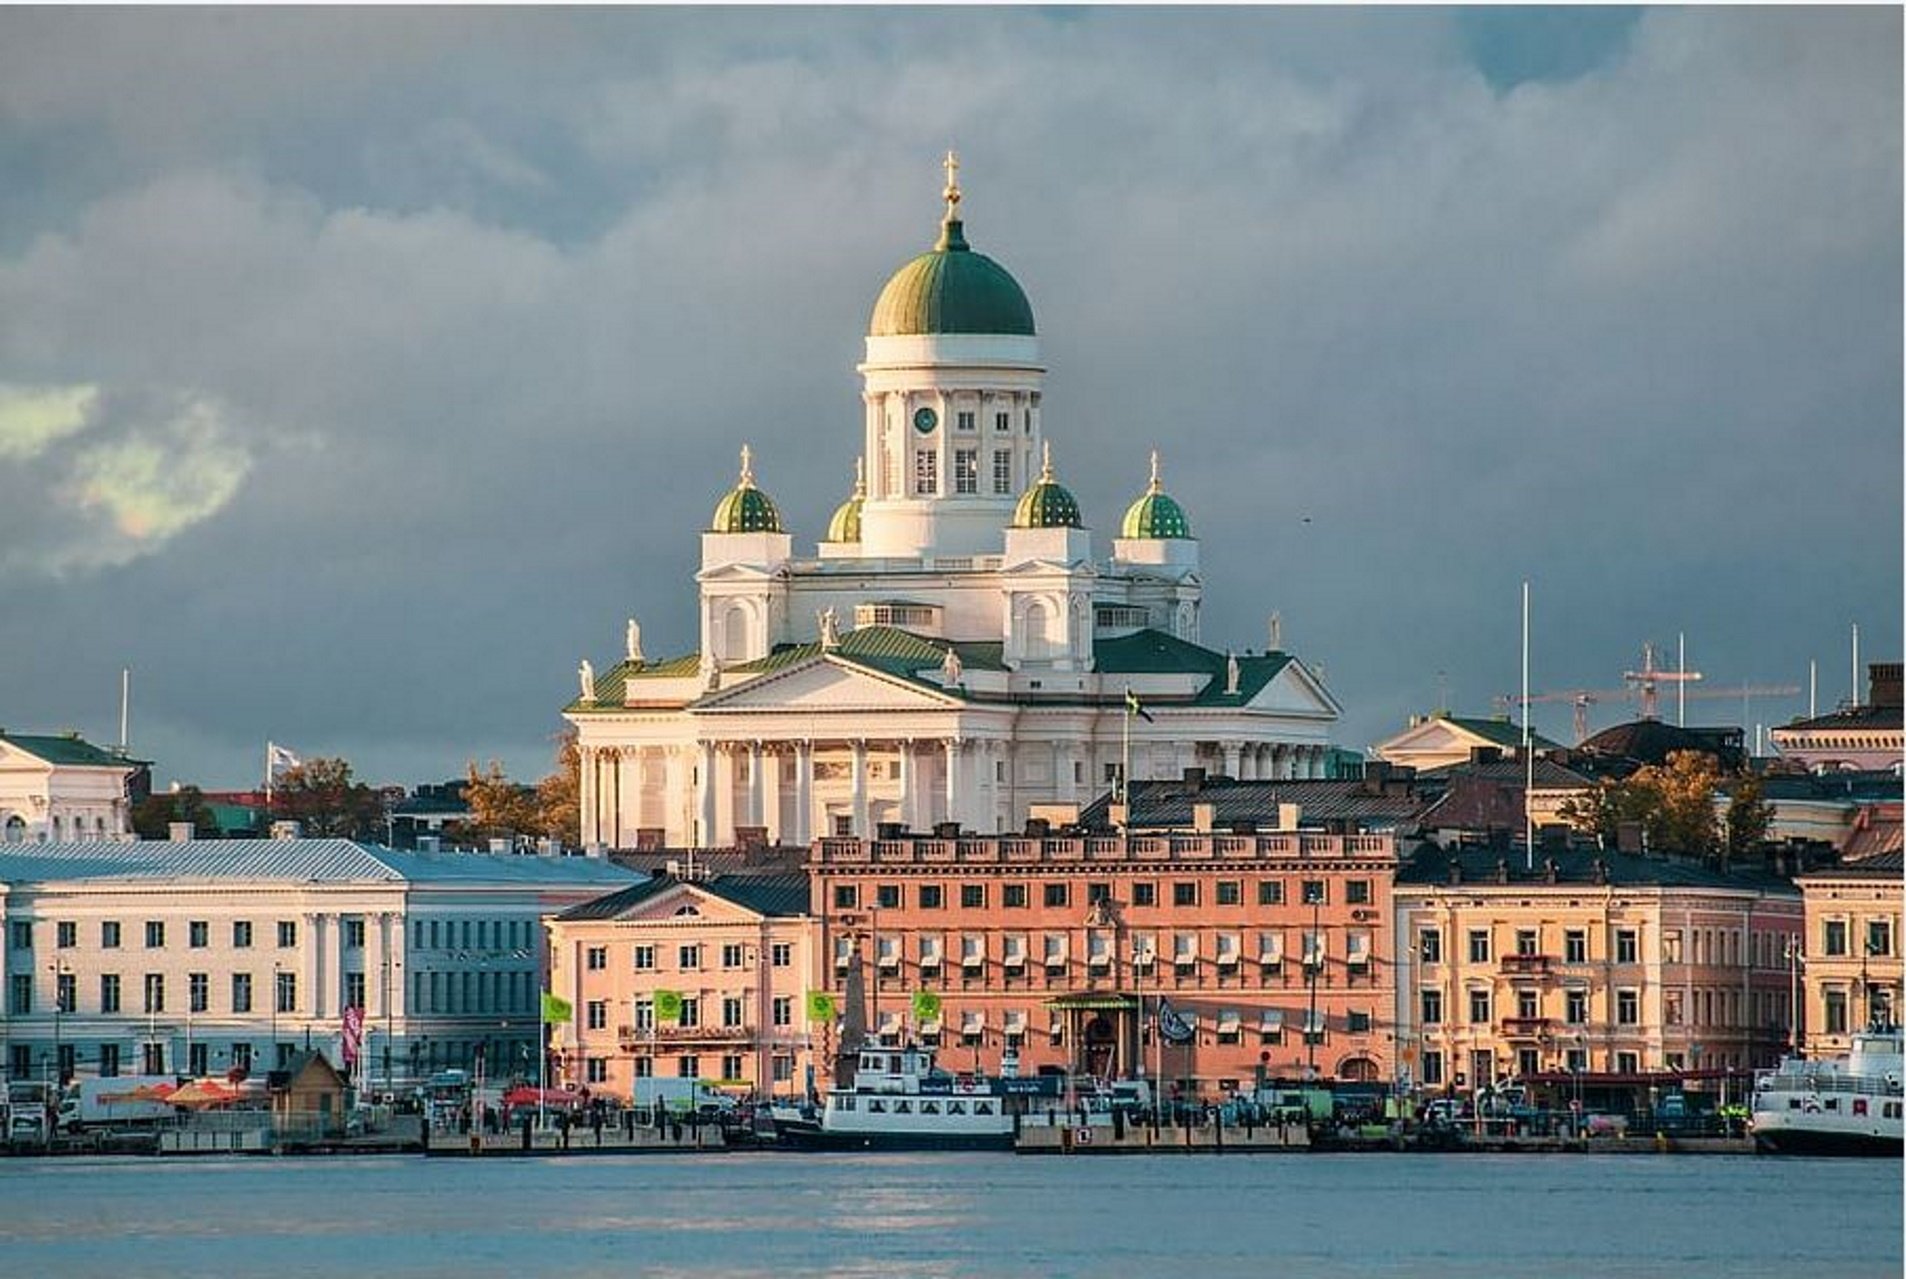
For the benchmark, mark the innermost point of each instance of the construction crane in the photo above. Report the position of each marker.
(1643, 686)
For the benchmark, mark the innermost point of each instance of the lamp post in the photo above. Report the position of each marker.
(1794, 961)
(390, 965)
(58, 969)
(1313, 967)
(272, 1063)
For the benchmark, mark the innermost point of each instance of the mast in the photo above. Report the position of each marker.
(1528, 753)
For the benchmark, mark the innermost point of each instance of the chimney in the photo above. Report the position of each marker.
(179, 832)
(1551, 873)
(1883, 679)
(1194, 780)
(1599, 871)
(1455, 870)
(1485, 754)
(1288, 816)
(1502, 870)
(1203, 817)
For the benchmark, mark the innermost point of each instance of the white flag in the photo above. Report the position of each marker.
(279, 761)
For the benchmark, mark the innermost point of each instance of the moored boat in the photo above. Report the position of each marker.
(900, 1100)
(1850, 1105)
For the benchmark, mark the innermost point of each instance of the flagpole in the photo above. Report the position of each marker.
(542, 1061)
(268, 779)
(1125, 766)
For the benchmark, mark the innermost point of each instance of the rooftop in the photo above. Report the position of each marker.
(771, 895)
(1429, 864)
(295, 861)
(67, 748)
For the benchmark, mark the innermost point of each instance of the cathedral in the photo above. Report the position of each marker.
(952, 653)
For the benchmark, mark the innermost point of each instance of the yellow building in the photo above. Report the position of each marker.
(685, 979)
(1852, 950)
(1587, 964)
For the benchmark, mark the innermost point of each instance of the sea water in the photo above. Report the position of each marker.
(763, 1214)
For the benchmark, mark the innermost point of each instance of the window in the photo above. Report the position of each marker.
(731, 1066)
(241, 992)
(691, 1013)
(1357, 892)
(926, 473)
(109, 935)
(20, 994)
(688, 1066)
(645, 1014)
(1316, 893)
(846, 896)
(1478, 1007)
(1057, 894)
(645, 1067)
(644, 958)
(1526, 941)
(1432, 1067)
(152, 1059)
(1359, 1022)
(1002, 422)
(963, 420)
(1432, 1007)
(1575, 946)
(732, 955)
(1671, 946)
(1014, 896)
(973, 896)
(597, 1012)
(1270, 892)
(596, 959)
(198, 990)
(288, 934)
(109, 1061)
(155, 992)
(1230, 892)
(1002, 471)
(730, 1016)
(781, 954)
(22, 934)
(1879, 936)
(1628, 1063)
(1836, 1012)
(1184, 893)
(1627, 946)
(966, 469)
(887, 897)
(1575, 1007)
(109, 993)
(66, 933)
(1478, 945)
(354, 934)
(1098, 894)
(688, 958)
(286, 992)
(66, 992)
(1429, 944)
(1835, 939)
(241, 934)
(932, 896)
(782, 1010)
(155, 934)
(1144, 894)
(1528, 1005)
(1628, 1007)
(597, 1070)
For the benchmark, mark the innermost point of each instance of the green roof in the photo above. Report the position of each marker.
(1499, 732)
(65, 748)
(1151, 652)
(845, 526)
(746, 510)
(951, 289)
(1155, 515)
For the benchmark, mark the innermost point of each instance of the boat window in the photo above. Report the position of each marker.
(843, 1103)
(1859, 1105)
(877, 1107)
(1833, 1103)
(903, 1108)
(982, 1107)
(929, 1107)
(955, 1107)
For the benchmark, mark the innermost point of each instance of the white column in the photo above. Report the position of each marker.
(803, 792)
(586, 784)
(636, 803)
(679, 798)
(373, 968)
(757, 787)
(773, 761)
(397, 947)
(725, 794)
(314, 957)
(954, 808)
(704, 833)
(909, 779)
(861, 829)
(1231, 753)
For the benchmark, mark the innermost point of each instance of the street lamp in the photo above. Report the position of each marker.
(1795, 961)
(1313, 967)
(58, 969)
(273, 1063)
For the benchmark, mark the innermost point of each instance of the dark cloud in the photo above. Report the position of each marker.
(466, 313)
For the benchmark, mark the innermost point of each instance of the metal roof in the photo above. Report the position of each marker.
(302, 861)
(772, 895)
(67, 748)
(1429, 864)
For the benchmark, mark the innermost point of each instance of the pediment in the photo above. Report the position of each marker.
(736, 573)
(1432, 737)
(687, 904)
(1295, 691)
(826, 683)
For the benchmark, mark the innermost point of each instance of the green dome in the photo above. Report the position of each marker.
(951, 289)
(1047, 504)
(746, 509)
(845, 526)
(1155, 514)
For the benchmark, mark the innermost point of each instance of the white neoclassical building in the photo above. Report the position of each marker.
(59, 787)
(953, 651)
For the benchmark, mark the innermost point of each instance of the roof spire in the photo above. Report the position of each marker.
(1156, 486)
(747, 467)
(1045, 461)
(952, 193)
(860, 477)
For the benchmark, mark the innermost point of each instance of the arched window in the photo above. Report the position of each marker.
(734, 634)
(1041, 627)
(16, 829)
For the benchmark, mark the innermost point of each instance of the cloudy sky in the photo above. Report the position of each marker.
(362, 370)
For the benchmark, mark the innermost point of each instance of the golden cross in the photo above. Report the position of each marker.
(952, 193)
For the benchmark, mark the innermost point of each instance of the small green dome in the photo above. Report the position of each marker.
(1155, 514)
(746, 509)
(1047, 504)
(845, 526)
(951, 289)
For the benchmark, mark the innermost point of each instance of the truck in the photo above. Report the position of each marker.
(25, 1114)
(680, 1096)
(124, 1101)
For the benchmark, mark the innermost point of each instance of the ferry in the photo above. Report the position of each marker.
(1849, 1105)
(901, 1100)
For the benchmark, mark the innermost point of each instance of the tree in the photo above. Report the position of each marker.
(321, 797)
(153, 816)
(559, 795)
(1673, 802)
(1749, 816)
(499, 808)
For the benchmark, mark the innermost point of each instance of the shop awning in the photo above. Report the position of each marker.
(1094, 1002)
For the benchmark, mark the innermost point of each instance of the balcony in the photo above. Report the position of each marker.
(1525, 1027)
(632, 1038)
(1527, 965)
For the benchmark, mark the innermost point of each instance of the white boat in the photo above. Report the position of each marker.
(1850, 1105)
(900, 1100)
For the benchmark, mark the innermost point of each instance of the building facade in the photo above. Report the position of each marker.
(1865, 735)
(685, 979)
(60, 787)
(1852, 956)
(1272, 951)
(205, 956)
(954, 651)
(1601, 964)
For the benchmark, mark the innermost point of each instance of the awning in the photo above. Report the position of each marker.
(1271, 1020)
(1228, 1020)
(1094, 1002)
(972, 1021)
(889, 1023)
(1270, 948)
(1015, 1022)
(1228, 948)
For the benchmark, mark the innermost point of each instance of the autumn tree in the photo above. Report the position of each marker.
(559, 795)
(1673, 803)
(499, 807)
(321, 796)
(152, 817)
(1749, 816)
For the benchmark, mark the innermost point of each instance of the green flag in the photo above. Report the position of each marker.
(820, 1006)
(557, 1009)
(926, 1006)
(668, 1005)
